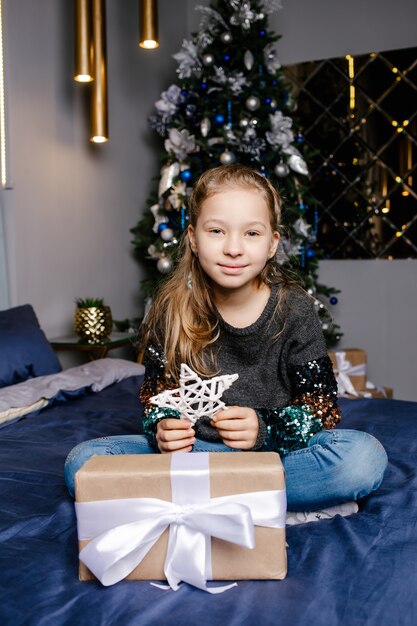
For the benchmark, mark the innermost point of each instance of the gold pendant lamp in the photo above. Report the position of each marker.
(99, 121)
(83, 49)
(148, 24)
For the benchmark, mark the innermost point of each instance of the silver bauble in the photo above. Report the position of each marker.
(244, 122)
(208, 59)
(273, 104)
(205, 126)
(227, 157)
(253, 103)
(164, 264)
(281, 170)
(226, 37)
(167, 234)
(254, 122)
(248, 60)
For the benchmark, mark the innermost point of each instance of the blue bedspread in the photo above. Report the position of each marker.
(354, 571)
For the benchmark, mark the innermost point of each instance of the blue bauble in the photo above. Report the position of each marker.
(333, 300)
(219, 118)
(186, 175)
(162, 226)
(226, 57)
(203, 85)
(262, 33)
(310, 253)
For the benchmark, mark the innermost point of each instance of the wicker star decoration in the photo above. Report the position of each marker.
(195, 397)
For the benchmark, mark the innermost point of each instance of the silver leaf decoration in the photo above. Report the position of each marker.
(168, 173)
(188, 60)
(210, 18)
(180, 143)
(301, 227)
(298, 164)
(168, 103)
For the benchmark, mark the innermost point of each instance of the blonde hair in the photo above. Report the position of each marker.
(186, 318)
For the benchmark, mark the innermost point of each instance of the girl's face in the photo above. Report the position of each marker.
(233, 238)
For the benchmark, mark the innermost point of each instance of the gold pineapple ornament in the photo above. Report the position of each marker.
(92, 320)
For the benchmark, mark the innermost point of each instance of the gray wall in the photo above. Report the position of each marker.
(377, 311)
(68, 216)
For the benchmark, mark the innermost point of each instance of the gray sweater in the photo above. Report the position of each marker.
(265, 365)
(288, 379)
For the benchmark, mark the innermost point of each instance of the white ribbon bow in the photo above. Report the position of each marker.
(343, 370)
(123, 531)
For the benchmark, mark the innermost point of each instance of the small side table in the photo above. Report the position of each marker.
(95, 350)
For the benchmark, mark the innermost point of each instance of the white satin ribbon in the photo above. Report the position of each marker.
(343, 370)
(123, 531)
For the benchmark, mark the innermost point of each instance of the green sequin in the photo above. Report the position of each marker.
(290, 428)
(151, 419)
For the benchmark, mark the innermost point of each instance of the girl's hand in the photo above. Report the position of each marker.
(175, 435)
(238, 426)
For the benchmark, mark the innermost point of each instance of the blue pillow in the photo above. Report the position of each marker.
(24, 350)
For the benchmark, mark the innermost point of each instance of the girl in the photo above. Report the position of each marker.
(227, 308)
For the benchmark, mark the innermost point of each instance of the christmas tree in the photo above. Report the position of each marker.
(231, 103)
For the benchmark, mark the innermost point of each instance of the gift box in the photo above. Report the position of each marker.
(349, 368)
(381, 392)
(178, 516)
(374, 392)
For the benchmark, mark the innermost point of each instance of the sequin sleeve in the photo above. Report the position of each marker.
(155, 382)
(313, 408)
(314, 385)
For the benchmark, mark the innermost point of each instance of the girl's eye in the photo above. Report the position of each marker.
(215, 231)
(252, 233)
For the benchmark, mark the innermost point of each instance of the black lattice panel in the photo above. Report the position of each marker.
(358, 120)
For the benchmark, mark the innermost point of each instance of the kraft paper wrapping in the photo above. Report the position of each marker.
(148, 476)
(355, 356)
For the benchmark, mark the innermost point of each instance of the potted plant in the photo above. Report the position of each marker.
(92, 319)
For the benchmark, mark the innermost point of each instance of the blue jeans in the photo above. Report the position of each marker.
(337, 466)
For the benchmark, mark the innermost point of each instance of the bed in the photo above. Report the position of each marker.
(359, 570)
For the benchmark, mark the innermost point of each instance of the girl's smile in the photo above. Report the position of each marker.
(232, 269)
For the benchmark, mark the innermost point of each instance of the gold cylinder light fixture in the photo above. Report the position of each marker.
(83, 72)
(148, 24)
(99, 122)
